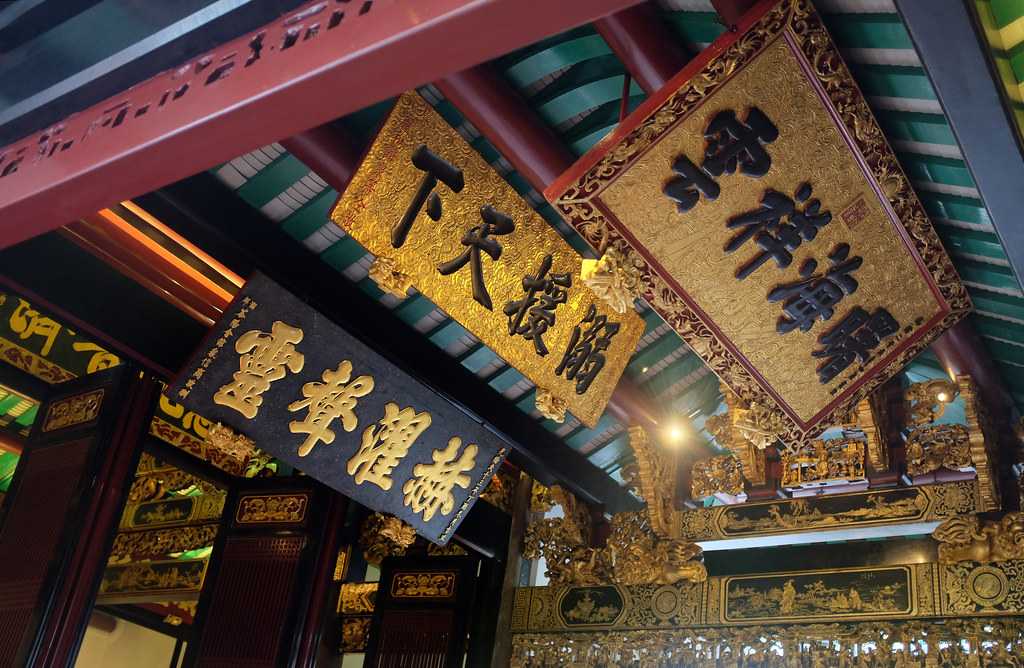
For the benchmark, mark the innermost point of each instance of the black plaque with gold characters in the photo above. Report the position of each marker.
(310, 394)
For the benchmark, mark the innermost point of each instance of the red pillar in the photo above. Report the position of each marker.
(644, 44)
(732, 10)
(961, 351)
(505, 119)
(328, 151)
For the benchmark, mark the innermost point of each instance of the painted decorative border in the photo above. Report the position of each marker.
(964, 589)
(872, 508)
(258, 509)
(74, 410)
(573, 194)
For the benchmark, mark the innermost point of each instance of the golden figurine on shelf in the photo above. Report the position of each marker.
(938, 446)
(967, 538)
(820, 461)
(716, 475)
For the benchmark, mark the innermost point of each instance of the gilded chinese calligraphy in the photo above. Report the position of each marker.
(430, 488)
(385, 444)
(584, 356)
(264, 359)
(334, 398)
(544, 293)
(477, 239)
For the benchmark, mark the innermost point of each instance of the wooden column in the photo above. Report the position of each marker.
(645, 45)
(62, 511)
(269, 576)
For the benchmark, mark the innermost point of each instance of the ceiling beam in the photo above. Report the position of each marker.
(310, 67)
(245, 241)
(644, 44)
(956, 59)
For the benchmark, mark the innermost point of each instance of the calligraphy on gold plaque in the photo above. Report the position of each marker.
(771, 224)
(313, 396)
(439, 218)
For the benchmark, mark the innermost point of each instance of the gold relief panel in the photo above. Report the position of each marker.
(970, 588)
(157, 543)
(716, 475)
(176, 511)
(358, 598)
(75, 410)
(986, 641)
(984, 443)
(430, 584)
(355, 634)
(473, 247)
(152, 581)
(835, 511)
(272, 509)
(677, 193)
(823, 461)
(859, 593)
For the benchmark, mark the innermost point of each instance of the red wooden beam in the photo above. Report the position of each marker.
(732, 10)
(961, 351)
(644, 44)
(328, 151)
(326, 59)
(509, 123)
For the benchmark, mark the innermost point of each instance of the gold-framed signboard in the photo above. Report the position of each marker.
(439, 218)
(770, 221)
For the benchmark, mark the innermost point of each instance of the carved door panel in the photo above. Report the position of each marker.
(61, 511)
(421, 612)
(253, 609)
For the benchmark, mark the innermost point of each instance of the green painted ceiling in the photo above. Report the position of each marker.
(574, 83)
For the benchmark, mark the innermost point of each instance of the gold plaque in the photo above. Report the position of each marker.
(433, 211)
(771, 223)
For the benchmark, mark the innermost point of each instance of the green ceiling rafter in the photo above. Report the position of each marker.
(868, 31)
(916, 127)
(272, 180)
(558, 56)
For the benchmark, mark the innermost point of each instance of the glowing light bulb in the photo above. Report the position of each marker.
(942, 396)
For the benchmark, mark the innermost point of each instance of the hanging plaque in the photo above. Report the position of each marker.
(307, 392)
(439, 218)
(771, 223)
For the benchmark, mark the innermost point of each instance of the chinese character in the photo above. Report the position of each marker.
(683, 189)
(331, 399)
(430, 488)
(436, 168)
(584, 356)
(100, 358)
(776, 238)
(385, 444)
(539, 316)
(27, 322)
(851, 339)
(268, 355)
(476, 239)
(733, 144)
(816, 295)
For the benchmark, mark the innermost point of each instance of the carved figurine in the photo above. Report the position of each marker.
(968, 539)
